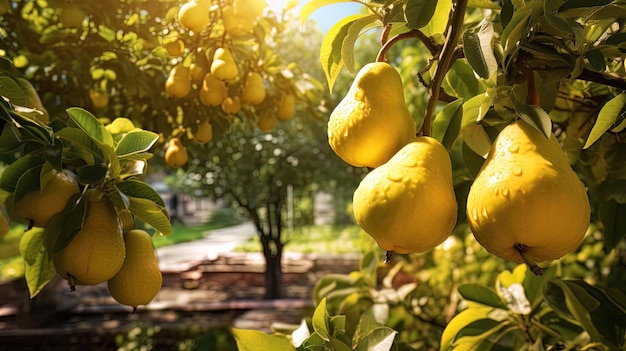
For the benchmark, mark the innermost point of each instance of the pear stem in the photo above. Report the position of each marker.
(534, 267)
(448, 54)
(388, 256)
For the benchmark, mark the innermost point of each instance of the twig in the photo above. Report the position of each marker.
(447, 56)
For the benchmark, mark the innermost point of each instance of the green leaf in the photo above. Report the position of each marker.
(254, 340)
(483, 4)
(11, 89)
(447, 124)
(151, 213)
(438, 24)
(8, 139)
(90, 125)
(475, 109)
(347, 48)
(80, 139)
(377, 339)
(140, 189)
(92, 175)
(66, 225)
(461, 82)
(13, 172)
(39, 268)
(536, 117)
(320, 321)
(459, 321)
(515, 29)
(477, 45)
(135, 142)
(419, 12)
(607, 116)
(476, 335)
(477, 139)
(613, 217)
(29, 181)
(332, 48)
(482, 294)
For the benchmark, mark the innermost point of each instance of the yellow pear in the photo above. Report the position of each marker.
(408, 204)
(178, 83)
(176, 154)
(286, 108)
(99, 98)
(526, 203)
(231, 105)
(72, 16)
(253, 89)
(139, 279)
(223, 66)
(34, 101)
(266, 121)
(197, 72)
(213, 91)
(237, 24)
(193, 15)
(39, 206)
(97, 251)
(372, 122)
(204, 133)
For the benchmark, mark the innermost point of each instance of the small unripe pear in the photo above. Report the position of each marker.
(253, 89)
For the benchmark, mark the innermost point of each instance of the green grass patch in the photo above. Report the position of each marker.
(183, 233)
(320, 239)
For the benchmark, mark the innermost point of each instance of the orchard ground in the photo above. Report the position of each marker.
(207, 285)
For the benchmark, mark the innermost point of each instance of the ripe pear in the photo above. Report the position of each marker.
(231, 105)
(526, 203)
(204, 133)
(99, 98)
(39, 206)
(178, 83)
(194, 15)
(408, 204)
(224, 66)
(176, 154)
(286, 108)
(213, 91)
(197, 72)
(372, 122)
(266, 121)
(175, 48)
(139, 279)
(97, 251)
(253, 89)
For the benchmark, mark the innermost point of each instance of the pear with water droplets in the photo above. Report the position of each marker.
(408, 204)
(527, 203)
(372, 122)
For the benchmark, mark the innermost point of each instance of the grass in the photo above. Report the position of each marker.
(332, 239)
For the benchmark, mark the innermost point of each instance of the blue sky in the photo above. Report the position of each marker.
(328, 15)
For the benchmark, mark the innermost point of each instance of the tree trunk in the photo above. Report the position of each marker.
(270, 235)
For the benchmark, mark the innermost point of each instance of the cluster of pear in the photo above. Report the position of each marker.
(218, 80)
(407, 202)
(107, 248)
(525, 205)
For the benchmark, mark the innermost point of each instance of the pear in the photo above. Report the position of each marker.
(253, 89)
(223, 66)
(372, 122)
(237, 24)
(176, 154)
(204, 133)
(97, 251)
(266, 121)
(194, 15)
(139, 279)
(231, 105)
(526, 203)
(408, 204)
(178, 83)
(39, 206)
(213, 91)
(286, 108)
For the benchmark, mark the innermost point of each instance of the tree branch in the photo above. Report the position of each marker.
(447, 56)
